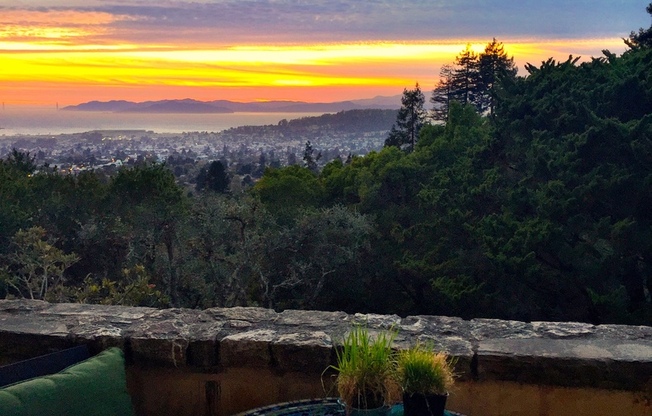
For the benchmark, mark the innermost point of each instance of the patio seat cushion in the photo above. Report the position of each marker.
(94, 387)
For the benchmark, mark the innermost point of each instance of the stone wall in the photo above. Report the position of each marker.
(222, 361)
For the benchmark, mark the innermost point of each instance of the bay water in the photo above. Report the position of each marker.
(51, 121)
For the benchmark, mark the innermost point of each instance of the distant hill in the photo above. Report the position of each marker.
(111, 106)
(225, 106)
(343, 122)
(178, 106)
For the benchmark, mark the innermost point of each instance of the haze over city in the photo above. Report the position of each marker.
(75, 51)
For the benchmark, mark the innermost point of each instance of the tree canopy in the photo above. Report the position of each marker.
(473, 79)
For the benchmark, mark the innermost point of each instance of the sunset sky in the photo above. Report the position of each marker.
(72, 51)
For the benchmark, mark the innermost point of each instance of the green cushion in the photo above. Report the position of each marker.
(95, 387)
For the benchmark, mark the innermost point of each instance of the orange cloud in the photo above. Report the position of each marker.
(37, 26)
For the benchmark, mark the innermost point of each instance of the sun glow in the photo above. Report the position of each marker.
(238, 66)
(90, 49)
(295, 69)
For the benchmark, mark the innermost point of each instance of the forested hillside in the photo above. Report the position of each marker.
(536, 206)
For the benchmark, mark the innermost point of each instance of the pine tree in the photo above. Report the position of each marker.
(213, 178)
(493, 65)
(465, 76)
(309, 160)
(409, 120)
(442, 95)
(473, 79)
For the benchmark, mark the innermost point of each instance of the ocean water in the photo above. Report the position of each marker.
(50, 121)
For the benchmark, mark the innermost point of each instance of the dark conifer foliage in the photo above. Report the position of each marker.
(443, 94)
(473, 79)
(411, 117)
(642, 38)
(493, 66)
(466, 76)
(310, 159)
(213, 177)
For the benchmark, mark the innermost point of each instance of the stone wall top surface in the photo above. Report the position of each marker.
(557, 353)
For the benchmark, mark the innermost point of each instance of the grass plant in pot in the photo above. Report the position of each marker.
(426, 378)
(365, 365)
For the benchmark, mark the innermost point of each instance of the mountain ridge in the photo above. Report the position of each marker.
(192, 106)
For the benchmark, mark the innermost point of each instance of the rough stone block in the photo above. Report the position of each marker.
(601, 363)
(311, 319)
(246, 314)
(308, 352)
(203, 350)
(247, 349)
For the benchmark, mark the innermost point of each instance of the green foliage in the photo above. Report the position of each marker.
(494, 66)
(285, 189)
(20, 162)
(465, 77)
(238, 254)
(567, 133)
(310, 159)
(148, 206)
(474, 79)
(133, 289)
(213, 178)
(35, 266)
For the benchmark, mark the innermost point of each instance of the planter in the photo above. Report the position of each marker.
(355, 411)
(418, 404)
(379, 411)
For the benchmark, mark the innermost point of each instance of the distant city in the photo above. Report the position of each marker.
(245, 150)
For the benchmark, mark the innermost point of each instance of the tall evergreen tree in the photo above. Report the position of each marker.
(309, 158)
(465, 76)
(493, 65)
(442, 95)
(409, 120)
(213, 178)
(473, 79)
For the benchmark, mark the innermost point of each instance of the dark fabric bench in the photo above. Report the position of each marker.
(42, 365)
(64, 383)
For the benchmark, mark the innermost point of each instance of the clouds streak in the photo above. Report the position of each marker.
(299, 21)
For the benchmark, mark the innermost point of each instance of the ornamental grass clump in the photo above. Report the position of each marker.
(426, 377)
(365, 367)
(421, 370)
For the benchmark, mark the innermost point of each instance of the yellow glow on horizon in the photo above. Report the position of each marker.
(306, 65)
(340, 67)
(312, 55)
(536, 52)
(54, 46)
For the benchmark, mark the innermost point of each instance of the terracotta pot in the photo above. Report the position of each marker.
(417, 404)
